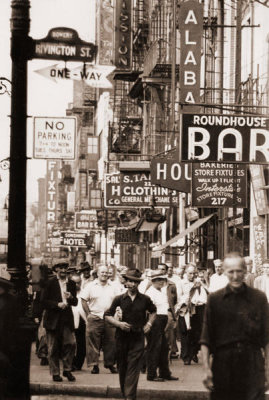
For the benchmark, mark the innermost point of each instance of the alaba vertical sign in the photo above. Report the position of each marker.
(191, 32)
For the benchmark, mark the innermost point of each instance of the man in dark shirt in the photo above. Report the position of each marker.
(132, 325)
(236, 333)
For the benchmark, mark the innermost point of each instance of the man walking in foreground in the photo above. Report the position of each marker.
(131, 330)
(236, 333)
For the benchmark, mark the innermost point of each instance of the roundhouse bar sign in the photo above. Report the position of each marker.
(64, 44)
(233, 138)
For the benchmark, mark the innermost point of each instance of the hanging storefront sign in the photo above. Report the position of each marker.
(219, 185)
(259, 232)
(216, 137)
(104, 14)
(54, 138)
(74, 239)
(260, 195)
(135, 189)
(64, 44)
(85, 220)
(172, 174)
(191, 33)
(123, 236)
(123, 35)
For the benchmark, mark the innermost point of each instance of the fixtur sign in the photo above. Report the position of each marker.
(232, 138)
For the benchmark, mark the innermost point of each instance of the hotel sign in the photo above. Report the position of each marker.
(123, 35)
(64, 44)
(229, 138)
(191, 33)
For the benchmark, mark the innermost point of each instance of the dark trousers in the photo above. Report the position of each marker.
(187, 351)
(238, 373)
(158, 349)
(81, 345)
(196, 328)
(130, 350)
(61, 345)
(100, 334)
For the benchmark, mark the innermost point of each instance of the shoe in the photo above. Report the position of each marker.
(113, 370)
(195, 359)
(170, 378)
(57, 378)
(69, 376)
(156, 379)
(187, 362)
(95, 370)
(44, 361)
(173, 356)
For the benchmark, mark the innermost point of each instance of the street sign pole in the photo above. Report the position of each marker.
(20, 25)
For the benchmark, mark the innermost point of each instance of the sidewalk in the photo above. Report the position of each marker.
(106, 385)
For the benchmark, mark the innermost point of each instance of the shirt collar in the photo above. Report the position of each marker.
(244, 291)
(126, 294)
(61, 281)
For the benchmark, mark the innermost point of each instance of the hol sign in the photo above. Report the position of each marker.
(230, 138)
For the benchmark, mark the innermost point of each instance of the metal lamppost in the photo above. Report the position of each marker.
(20, 54)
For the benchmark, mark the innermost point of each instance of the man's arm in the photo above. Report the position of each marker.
(109, 316)
(148, 325)
(85, 307)
(266, 355)
(208, 376)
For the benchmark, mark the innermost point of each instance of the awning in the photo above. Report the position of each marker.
(147, 226)
(190, 229)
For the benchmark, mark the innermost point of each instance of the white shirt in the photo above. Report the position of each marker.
(63, 289)
(175, 279)
(160, 299)
(183, 291)
(98, 296)
(144, 285)
(217, 282)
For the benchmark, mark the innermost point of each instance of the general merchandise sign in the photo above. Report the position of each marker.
(134, 189)
(54, 138)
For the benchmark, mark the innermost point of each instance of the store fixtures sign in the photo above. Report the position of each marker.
(134, 189)
(219, 185)
(229, 138)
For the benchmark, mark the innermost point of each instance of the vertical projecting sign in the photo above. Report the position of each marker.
(123, 35)
(51, 195)
(191, 32)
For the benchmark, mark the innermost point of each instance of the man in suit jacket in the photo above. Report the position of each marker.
(57, 298)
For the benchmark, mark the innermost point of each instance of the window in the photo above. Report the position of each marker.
(93, 145)
(95, 198)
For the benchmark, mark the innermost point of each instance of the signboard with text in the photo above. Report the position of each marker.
(219, 185)
(64, 44)
(134, 189)
(54, 138)
(86, 221)
(191, 32)
(123, 35)
(232, 138)
(74, 239)
(260, 195)
(259, 232)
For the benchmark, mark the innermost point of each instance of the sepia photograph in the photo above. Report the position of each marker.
(134, 199)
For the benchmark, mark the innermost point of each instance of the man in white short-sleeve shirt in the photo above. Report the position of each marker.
(96, 298)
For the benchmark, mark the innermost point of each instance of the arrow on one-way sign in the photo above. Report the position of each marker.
(93, 75)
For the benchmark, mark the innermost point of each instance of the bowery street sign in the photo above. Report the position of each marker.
(134, 189)
(54, 137)
(64, 44)
(93, 75)
(219, 184)
(231, 138)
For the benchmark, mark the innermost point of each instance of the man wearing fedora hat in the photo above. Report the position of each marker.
(85, 271)
(158, 347)
(57, 298)
(131, 330)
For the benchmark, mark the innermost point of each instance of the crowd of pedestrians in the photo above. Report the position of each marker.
(139, 321)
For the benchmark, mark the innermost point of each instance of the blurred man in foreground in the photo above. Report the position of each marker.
(236, 333)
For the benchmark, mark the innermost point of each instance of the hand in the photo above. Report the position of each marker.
(124, 326)
(62, 305)
(208, 380)
(68, 295)
(147, 328)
